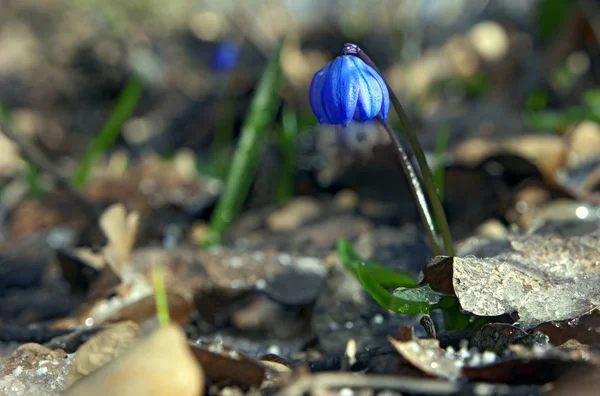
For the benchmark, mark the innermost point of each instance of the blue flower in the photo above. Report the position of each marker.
(348, 89)
(225, 56)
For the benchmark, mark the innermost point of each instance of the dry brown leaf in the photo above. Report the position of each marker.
(159, 365)
(102, 348)
(225, 364)
(180, 308)
(427, 356)
(120, 228)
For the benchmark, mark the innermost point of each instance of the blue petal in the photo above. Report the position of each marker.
(225, 56)
(369, 100)
(347, 88)
(316, 92)
(340, 91)
(385, 100)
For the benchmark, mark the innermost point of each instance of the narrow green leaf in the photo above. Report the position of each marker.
(385, 276)
(160, 296)
(441, 143)
(32, 172)
(286, 141)
(33, 175)
(241, 173)
(388, 300)
(551, 16)
(220, 150)
(417, 294)
(592, 98)
(126, 102)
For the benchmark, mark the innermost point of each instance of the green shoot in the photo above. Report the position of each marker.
(441, 143)
(383, 275)
(408, 298)
(245, 160)
(126, 102)
(224, 128)
(33, 175)
(160, 295)
(286, 141)
(32, 172)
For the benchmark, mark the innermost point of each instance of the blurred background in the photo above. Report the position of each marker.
(500, 85)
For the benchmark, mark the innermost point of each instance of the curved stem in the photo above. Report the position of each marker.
(434, 199)
(415, 187)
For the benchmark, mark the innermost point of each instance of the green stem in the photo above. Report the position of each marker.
(160, 296)
(126, 102)
(441, 143)
(224, 126)
(434, 199)
(286, 140)
(245, 159)
(415, 188)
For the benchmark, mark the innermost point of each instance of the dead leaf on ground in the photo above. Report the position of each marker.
(160, 364)
(180, 308)
(153, 184)
(427, 356)
(585, 329)
(224, 364)
(120, 228)
(534, 365)
(102, 348)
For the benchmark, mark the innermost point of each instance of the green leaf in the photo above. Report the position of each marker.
(592, 98)
(286, 140)
(545, 120)
(385, 276)
(552, 15)
(418, 294)
(441, 143)
(386, 299)
(126, 102)
(245, 160)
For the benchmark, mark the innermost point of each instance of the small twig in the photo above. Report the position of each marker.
(347, 380)
(41, 161)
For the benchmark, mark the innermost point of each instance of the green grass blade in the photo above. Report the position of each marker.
(33, 175)
(441, 143)
(383, 275)
(160, 295)
(126, 102)
(286, 141)
(224, 128)
(245, 160)
(32, 172)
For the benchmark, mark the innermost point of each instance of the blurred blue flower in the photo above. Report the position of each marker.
(225, 56)
(348, 89)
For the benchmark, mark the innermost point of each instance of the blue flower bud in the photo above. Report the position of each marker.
(225, 56)
(348, 89)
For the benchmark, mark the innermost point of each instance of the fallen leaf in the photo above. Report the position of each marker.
(226, 364)
(102, 348)
(120, 228)
(159, 365)
(585, 329)
(180, 308)
(427, 356)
